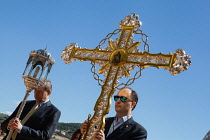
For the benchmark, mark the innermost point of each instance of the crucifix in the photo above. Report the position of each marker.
(117, 60)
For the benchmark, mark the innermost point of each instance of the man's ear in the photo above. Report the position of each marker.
(48, 92)
(133, 104)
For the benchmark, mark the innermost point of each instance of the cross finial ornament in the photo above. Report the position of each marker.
(117, 60)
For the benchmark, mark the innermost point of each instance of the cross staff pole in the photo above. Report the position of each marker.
(117, 60)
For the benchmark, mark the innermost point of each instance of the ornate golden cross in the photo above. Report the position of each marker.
(117, 60)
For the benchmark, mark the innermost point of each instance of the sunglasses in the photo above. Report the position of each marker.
(122, 98)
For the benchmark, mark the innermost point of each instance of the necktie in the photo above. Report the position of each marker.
(31, 112)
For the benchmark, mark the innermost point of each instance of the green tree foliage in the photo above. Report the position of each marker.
(3, 117)
(69, 128)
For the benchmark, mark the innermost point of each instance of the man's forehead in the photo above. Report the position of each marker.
(42, 87)
(125, 91)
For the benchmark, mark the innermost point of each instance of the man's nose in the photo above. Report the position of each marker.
(118, 100)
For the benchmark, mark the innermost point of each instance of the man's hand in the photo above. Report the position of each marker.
(15, 124)
(99, 135)
(84, 126)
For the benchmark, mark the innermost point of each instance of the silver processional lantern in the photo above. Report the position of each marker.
(37, 68)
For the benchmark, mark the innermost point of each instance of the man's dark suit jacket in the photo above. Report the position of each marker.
(40, 126)
(129, 130)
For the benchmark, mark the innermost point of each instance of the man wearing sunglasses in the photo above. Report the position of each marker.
(122, 126)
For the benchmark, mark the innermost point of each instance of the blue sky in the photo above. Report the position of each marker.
(170, 107)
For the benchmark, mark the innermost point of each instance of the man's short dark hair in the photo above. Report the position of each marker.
(134, 97)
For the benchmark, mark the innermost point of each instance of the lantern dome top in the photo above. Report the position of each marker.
(44, 53)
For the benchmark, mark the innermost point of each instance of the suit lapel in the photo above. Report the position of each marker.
(42, 109)
(109, 122)
(27, 108)
(122, 128)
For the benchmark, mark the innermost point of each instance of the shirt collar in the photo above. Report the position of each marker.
(123, 119)
(44, 102)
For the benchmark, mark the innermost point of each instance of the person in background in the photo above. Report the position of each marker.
(41, 124)
(76, 135)
(122, 126)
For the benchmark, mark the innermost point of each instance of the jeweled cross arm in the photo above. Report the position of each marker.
(175, 63)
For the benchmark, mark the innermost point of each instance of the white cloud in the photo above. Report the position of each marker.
(8, 112)
(17, 102)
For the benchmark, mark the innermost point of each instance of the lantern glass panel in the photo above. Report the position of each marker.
(36, 70)
(28, 67)
(46, 71)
